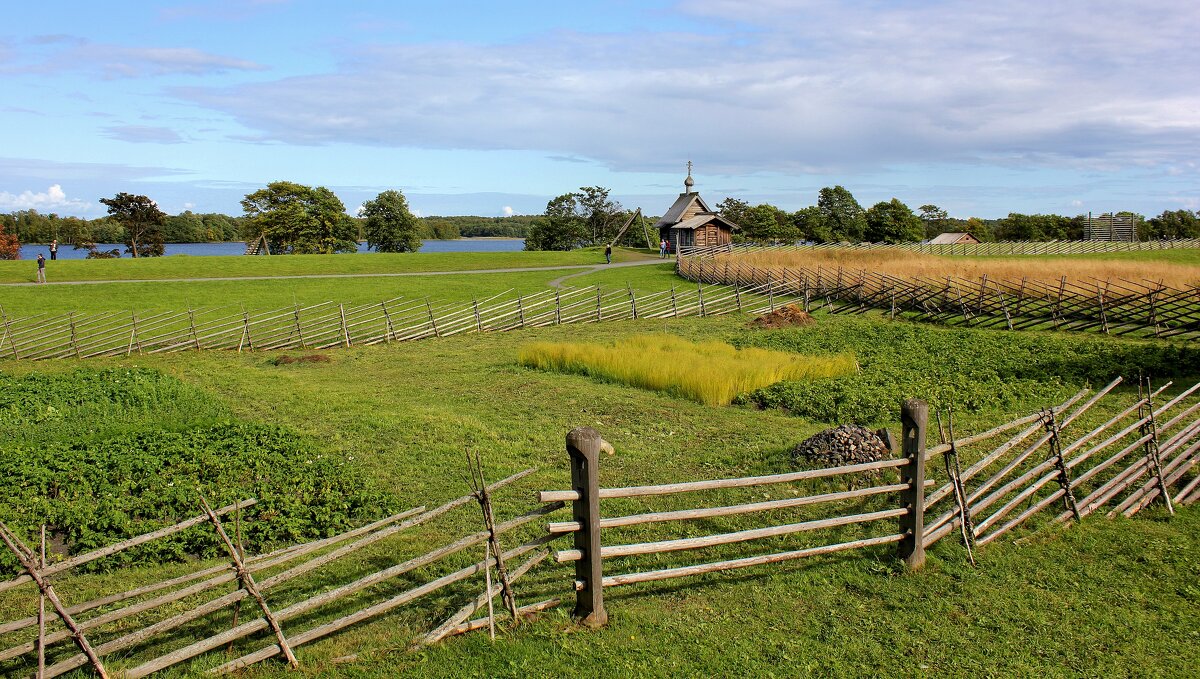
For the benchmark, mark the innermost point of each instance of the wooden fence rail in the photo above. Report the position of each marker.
(1015, 477)
(1116, 307)
(242, 571)
(328, 325)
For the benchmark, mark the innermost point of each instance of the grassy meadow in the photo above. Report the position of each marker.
(1107, 598)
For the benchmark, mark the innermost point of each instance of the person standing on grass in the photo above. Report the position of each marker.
(41, 277)
(608, 254)
(54, 249)
(662, 248)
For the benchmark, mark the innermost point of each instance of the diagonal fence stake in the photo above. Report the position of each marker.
(480, 491)
(1064, 477)
(250, 586)
(965, 526)
(26, 557)
(1150, 428)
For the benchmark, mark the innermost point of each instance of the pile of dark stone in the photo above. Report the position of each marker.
(843, 445)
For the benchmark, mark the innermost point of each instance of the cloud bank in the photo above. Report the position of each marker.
(50, 199)
(788, 87)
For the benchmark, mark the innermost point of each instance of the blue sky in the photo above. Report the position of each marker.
(494, 108)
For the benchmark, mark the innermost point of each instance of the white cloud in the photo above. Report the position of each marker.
(508, 211)
(781, 87)
(53, 54)
(52, 198)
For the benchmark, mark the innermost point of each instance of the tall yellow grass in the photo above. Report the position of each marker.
(712, 373)
(914, 264)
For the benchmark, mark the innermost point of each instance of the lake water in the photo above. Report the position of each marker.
(30, 252)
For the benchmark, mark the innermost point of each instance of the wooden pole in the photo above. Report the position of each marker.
(250, 586)
(583, 447)
(914, 416)
(345, 330)
(41, 670)
(25, 556)
(1152, 450)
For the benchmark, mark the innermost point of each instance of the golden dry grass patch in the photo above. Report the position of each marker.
(909, 264)
(712, 373)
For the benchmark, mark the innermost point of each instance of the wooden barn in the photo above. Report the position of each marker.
(953, 239)
(690, 222)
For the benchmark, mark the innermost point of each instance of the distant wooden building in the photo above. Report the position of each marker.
(690, 222)
(953, 239)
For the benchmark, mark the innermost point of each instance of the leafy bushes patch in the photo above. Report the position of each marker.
(89, 403)
(95, 490)
(971, 370)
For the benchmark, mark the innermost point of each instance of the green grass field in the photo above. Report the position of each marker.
(1108, 598)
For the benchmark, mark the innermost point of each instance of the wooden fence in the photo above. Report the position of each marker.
(1159, 445)
(122, 630)
(1117, 307)
(1054, 247)
(328, 325)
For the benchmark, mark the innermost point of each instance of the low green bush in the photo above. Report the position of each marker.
(971, 370)
(92, 487)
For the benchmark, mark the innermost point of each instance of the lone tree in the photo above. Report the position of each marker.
(893, 222)
(299, 219)
(562, 227)
(390, 226)
(142, 221)
(841, 214)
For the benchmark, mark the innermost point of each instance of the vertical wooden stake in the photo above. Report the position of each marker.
(700, 295)
(74, 340)
(298, 332)
(632, 301)
(1151, 447)
(387, 321)
(479, 320)
(41, 642)
(737, 294)
(557, 308)
(521, 309)
(583, 447)
(1064, 477)
(914, 416)
(487, 551)
(432, 321)
(345, 330)
(192, 323)
(8, 334)
(599, 317)
(674, 306)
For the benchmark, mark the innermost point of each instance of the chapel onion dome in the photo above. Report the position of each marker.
(688, 184)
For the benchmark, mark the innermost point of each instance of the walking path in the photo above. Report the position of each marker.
(587, 269)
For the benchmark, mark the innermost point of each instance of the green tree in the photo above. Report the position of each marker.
(1017, 226)
(810, 225)
(1172, 224)
(978, 228)
(935, 220)
(767, 223)
(893, 222)
(299, 219)
(143, 223)
(390, 226)
(602, 216)
(842, 215)
(562, 227)
(734, 210)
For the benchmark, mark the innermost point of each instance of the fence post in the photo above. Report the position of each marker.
(583, 447)
(914, 415)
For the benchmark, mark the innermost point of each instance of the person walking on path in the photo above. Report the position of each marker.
(41, 277)
(662, 248)
(54, 249)
(608, 254)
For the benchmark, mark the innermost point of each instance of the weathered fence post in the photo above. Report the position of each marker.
(478, 320)
(345, 330)
(432, 320)
(583, 447)
(914, 416)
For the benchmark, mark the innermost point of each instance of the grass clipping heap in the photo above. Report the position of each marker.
(712, 373)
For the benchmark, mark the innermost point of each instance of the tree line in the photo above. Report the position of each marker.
(589, 217)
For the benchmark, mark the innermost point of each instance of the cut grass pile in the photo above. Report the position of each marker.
(1180, 273)
(712, 373)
